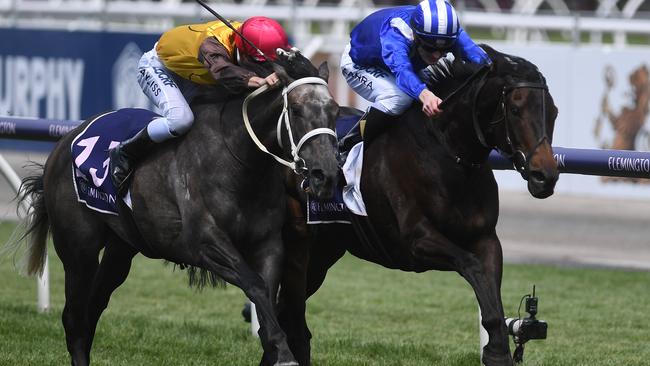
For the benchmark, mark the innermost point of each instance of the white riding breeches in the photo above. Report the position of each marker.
(170, 93)
(376, 85)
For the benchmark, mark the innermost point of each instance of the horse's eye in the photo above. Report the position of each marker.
(514, 110)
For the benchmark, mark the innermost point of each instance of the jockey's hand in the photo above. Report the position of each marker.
(272, 79)
(430, 103)
(256, 82)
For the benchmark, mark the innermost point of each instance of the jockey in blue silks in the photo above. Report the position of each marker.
(390, 49)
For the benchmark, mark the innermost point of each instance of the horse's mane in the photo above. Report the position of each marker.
(446, 75)
(462, 79)
(514, 67)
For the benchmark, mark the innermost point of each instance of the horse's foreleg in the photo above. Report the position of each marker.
(113, 270)
(485, 278)
(292, 296)
(482, 269)
(267, 263)
(292, 307)
(224, 259)
(308, 258)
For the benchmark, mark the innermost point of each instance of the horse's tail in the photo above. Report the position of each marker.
(36, 224)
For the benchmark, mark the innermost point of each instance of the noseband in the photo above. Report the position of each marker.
(298, 164)
(519, 159)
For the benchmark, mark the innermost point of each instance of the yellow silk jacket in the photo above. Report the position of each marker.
(178, 48)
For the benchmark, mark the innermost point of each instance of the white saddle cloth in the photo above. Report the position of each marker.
(352, 172)
(127, 199)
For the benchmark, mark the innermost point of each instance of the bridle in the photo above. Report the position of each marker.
(298, 164)
(519, 159)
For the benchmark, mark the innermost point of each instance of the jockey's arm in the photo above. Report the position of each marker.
(395, 50)
(395, 53)
(470, 51)
(215, 57)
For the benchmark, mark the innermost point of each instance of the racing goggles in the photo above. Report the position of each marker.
(439, 44)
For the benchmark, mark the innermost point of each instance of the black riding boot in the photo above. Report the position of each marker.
(370, 125)
(126, 156)
(375, 124)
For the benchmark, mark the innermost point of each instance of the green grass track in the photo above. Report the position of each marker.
(364, 315)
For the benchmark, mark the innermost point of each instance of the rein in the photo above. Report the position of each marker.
(298, 164)
(482, 72)
(520, 160)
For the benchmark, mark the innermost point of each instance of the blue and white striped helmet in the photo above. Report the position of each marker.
(435, 22)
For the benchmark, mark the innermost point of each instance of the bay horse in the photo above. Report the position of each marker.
(431, 197)
(210, 200)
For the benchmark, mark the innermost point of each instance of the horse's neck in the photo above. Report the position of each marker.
(459, 137)
(455, 129)
(264, 113)
(226, 124)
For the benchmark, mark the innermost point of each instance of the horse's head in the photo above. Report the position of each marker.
(522, 124)
(310, 114)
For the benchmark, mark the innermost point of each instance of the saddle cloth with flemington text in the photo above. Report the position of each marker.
(90, 157)
(333, 210)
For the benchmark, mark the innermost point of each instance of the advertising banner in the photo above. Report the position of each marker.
(602, 93)
(69, 75)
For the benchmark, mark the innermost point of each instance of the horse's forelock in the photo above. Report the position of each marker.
(296, 65)
(513, 66)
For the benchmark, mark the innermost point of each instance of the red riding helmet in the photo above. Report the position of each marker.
(265, 33)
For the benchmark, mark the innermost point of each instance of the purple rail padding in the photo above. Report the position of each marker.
(611, 163)
(37, 129)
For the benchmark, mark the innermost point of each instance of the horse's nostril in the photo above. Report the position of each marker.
(317, 175)
(537, 176)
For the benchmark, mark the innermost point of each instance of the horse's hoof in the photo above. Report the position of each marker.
(496, 359)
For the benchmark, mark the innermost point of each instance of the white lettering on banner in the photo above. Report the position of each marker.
(7, 128)
(38, 86)
(628, 164)
(21, 87)
(5, 90)
(59, 130)
(560, 160)
(74, 75)
(55, 92)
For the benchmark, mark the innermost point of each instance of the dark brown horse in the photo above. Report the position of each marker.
(431, 197)
(210, 200)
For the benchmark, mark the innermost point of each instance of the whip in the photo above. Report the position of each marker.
(227, 23)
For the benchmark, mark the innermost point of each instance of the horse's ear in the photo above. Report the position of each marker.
(324, 71)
